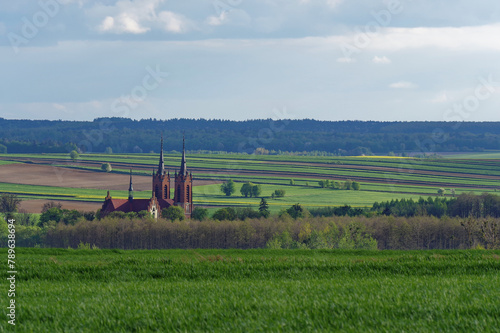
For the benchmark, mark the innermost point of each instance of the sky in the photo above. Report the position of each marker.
(384, 60)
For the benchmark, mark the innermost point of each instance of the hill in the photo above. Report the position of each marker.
(307, 136)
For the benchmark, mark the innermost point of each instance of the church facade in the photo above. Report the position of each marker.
(161, 186)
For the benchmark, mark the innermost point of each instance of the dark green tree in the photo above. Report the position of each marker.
(173, 213)
(52, 214)
(228, 188)
(296, 211)
(246, 189)
(264, 208)
(227, 214)
(256, 190)
(199, 213)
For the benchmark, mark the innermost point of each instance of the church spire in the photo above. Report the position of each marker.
(161, 164)
(131, 188)
(183, 161)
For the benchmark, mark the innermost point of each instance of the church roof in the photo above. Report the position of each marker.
(126, 206)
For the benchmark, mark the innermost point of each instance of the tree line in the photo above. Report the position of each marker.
(265, 136)
(382, 232)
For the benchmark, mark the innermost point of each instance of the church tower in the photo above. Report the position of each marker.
(161, 181)
(184, 185)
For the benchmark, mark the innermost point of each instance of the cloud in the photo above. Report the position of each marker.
(123, 23)
(402, 85)
(381, 60)
(138, 17)
(172, 22)
(452, 38)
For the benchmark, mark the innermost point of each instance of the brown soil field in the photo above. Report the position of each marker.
(46, 175)
(35, 206)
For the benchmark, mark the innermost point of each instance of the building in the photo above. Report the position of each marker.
(161, 185)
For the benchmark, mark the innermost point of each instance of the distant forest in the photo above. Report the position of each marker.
(121, 135)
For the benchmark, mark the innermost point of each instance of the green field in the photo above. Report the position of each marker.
(381, 178)
(256, 290)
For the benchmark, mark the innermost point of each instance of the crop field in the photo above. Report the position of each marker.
(56, 177)
(63, 290)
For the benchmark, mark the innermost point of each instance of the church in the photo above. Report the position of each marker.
(183, 192)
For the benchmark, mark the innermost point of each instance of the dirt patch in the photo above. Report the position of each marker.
(35, 206)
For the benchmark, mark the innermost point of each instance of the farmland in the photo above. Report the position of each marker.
(56, 177)
(257, 290)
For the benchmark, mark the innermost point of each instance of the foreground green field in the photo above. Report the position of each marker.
(256, 291)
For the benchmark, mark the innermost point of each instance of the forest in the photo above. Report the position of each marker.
(266, 136)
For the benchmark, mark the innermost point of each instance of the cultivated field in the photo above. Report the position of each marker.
(256, 290)
(56, 177)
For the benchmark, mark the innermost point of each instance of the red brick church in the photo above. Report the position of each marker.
(183, 192)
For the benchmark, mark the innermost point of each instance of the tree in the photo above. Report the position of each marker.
(108, 150)
(199, 213)
(264, 208)
(3, 149)
(256, 190)
(106, 167)
(279, 193)
(441, 191)
(9, 203)
(355, 186)
(227, 214)
(348, 184)
(292, 182)
(228, 188)
(246, 189)
(173, 213)
(74, 155)
(50, 204)
(296, 211)
(52, 214)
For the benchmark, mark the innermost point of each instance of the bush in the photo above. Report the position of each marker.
(279, 193)
(106, 167)
(74, 155)
(173, 213)
(199, 214)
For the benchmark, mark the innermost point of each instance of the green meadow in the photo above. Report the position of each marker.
(381, 178)
(61, 290)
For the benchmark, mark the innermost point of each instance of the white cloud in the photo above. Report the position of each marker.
(172, 22)
(461, 38)
(381, 60)
(402, 85)
(138, 17)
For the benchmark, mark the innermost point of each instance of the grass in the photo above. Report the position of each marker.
(256, 290)
(381, 179)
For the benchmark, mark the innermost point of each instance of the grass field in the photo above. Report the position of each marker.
(256, 290)
(381, 178)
